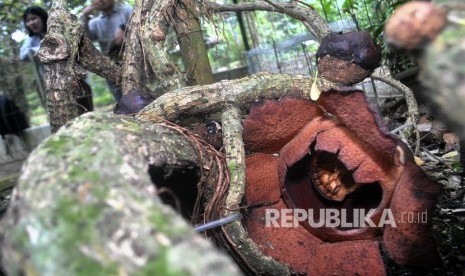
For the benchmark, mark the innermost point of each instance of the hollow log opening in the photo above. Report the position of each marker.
(177, 187)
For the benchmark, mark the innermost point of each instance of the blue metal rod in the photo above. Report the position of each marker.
(218, 222)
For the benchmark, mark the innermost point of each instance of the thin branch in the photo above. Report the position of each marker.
(396, 130)
(88, 54)
(214, 97)
(235, 158)
(411, 103)
(308, 16)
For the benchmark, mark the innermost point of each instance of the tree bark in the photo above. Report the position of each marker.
(234, 234)
(215, 97)
(86, 204)
(88, 55)
(87, 197)
(58, 52)
(145, 53)
(192, 44)
(65, 51)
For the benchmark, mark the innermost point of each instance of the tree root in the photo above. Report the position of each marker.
(412, 105)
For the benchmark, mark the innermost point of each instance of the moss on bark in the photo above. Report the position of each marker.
(85, 205)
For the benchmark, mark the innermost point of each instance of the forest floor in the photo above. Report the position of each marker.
(439, 158)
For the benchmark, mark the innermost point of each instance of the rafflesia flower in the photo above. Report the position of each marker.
(334, 154)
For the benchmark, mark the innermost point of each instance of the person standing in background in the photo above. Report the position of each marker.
(107, 29)
(35, 21)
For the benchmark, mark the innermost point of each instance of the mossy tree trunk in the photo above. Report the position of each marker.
(66, 55)
(145, 54)
(86, 204)
(87, 199)
(61, 78)
(192, 44)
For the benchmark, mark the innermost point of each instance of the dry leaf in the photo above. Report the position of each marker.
(424, 124)
(451, 140)
(314, 91)
(451, 154)
(418, 161)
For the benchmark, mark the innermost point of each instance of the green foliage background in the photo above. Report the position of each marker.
(222, 34)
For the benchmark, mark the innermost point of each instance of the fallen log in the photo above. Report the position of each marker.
(86, 204)
(98, 178)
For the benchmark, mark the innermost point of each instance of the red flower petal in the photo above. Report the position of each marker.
(262, 185)
(293, 246)
(348, 258)
(344, 160)
(411, 241)
(298, 147)
(272, 124)
(354, 112)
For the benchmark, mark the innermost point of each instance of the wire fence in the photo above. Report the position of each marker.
(295, 56)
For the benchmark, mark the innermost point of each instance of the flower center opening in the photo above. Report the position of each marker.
(320, 181)
(330, 177)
